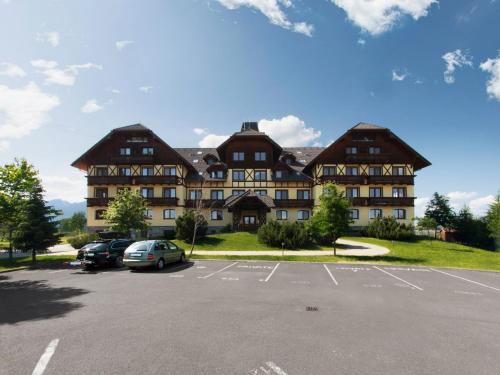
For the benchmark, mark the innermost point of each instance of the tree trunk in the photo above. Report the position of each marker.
(11, 255)
(33, 256)
(194, 238)
(335, 248)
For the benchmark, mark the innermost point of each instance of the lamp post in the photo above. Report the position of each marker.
(283, 249)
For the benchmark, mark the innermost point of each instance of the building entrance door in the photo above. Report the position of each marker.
(249, 222)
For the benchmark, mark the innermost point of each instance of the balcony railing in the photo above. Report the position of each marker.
(205, 203)
(383, 201)
(133, 159)
(294, 203)
(393, 180)
(160, 201)
(133, 180)
(365, 180)
(343, 179)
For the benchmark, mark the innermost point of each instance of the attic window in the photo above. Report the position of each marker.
(195, 160)
(302, 160)
(137, 140)
(200, 152)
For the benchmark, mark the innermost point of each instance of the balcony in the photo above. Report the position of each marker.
(391, 180)
(132, 159)
(133, 180)
(383, 201)
(205, 203)
(367, 158)
(294, 203)
(161, 201)
(365, 180)
(345, 180)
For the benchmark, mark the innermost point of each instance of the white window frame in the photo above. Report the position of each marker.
(396, 211)
(351, 214)
(370, 216)
(172, 214)
(279, 215)
(300, 215)
(148, 213)
(214, 215)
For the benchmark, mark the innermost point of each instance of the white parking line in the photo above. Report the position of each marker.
(213, 273)
(463, 278)
(269, 276)
(57, 271)
(400, 279)
(45, 358)
(331, 276)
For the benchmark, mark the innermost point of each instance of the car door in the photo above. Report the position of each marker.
(174, 252)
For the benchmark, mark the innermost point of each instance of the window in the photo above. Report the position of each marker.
(374, 150)
(278, 174)
(351, 150)
(101, 171)
(302, 215)
(260, 156)
(217, 174)
(398, 192)
(398, 171)
(354, 214)
(260, 192)
(169, 213)
(352, 171)
(375, 171)
(137, 140)
(303, 194)
(194, 194)
(169, 171)
(147, 171)
(352, 192)
(217, 194)
(329, 171)
(375, 192)
(249, 220)
(238, 156)
(169, 193)
(237, 193)
(374, 213)
(288, 161)
(125, 151)
(260, 176)
(148, 214)
(216, 215)
(399, 213)
(101, 192)
(281, 194)
(147, 150)
(124, 171)
(281, 214)
(147, 192)
(99, 214)
(238, 175)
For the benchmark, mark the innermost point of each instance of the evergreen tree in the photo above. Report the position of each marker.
(439, 209)
(493, 221)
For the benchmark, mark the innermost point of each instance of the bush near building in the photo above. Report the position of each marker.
(389, 228)
(287, 235)
(186, 223)
(78, 241)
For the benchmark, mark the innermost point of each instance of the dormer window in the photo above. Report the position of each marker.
(374, 150)
(278, 174)
(288, 161)
(147, 151)
(210, 161)
(217, 174)
(260, 156)
(238, 156)
(125, 151)
(351, 150)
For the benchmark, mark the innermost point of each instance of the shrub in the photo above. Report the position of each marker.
(77, 242)
(291, 235)
(169, 234)
(390, 229)
(185, 226)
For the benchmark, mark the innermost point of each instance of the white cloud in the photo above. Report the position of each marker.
(146, 89)
(11, 70)
(91, 106)
(379, 16)
(69, 188)
(64, 77)
(115, 91)
(492, 66)
(361, 41)
(212, 140)
(51, 37)
(121, 44)
(273, 10)
(480, 206)
(454, 60)
(23, 110)
(200, 131)
(289, 131)
(399, 76)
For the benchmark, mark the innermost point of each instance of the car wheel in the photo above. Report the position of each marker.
(160, 264)
(119, 262)
(183, 258)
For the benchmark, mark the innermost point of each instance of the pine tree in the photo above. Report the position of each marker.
(493, 221)
(439, 209)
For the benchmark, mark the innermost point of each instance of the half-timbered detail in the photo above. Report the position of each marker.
(250, 179)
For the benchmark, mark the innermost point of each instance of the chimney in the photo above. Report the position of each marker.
(250, 126)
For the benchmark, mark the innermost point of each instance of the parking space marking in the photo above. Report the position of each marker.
(398, 278)
(57, 271)
(269, 276)
(45, 358)
(463, 278)
(213, 273)
(331, 276)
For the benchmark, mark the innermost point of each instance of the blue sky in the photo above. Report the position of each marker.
(193, 70)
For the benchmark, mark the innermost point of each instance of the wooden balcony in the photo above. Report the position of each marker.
(133, 180)
(206, 203)
(365, 180)
(391, 180)
(161, 201)
(345, 180)
(383, 201)
(294, 203)
(132, 159)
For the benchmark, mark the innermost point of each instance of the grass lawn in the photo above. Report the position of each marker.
(47, 261)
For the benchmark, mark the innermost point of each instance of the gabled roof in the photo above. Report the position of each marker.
(247, 133)
(366, 126)
(233, 200)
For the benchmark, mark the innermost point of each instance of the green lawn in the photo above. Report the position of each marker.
(47, 261)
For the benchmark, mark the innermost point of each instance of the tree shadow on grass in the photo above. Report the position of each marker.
(208, 241)
(29, 300)
(381, 258)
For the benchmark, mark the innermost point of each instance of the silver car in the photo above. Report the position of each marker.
(153, 253)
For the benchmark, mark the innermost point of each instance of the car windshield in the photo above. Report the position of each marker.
(140, 246)
(95, 246)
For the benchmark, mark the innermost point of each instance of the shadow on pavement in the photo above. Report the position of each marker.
(171, 268)
(28, 300)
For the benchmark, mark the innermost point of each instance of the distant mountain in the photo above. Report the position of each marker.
(68, 208)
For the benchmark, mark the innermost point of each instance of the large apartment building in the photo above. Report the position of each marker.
(250, 178)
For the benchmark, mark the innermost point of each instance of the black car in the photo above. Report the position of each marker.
(103, 253)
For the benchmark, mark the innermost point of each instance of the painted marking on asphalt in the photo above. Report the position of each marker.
(407, 269)
(175, 275)
(331, 276)
(230, 278)
(398, 278)
(468, 293)
(57, 271)
(255, 267)
(372, 285)
(275, 368)
(45, 358)
(216, 272)
(463, 278)
(300, 282)
(201, 267)
(274, 270)
(354, 269)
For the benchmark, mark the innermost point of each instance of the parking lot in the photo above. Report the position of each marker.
(218, 317)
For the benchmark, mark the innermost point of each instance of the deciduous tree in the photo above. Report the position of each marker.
(126, 213)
